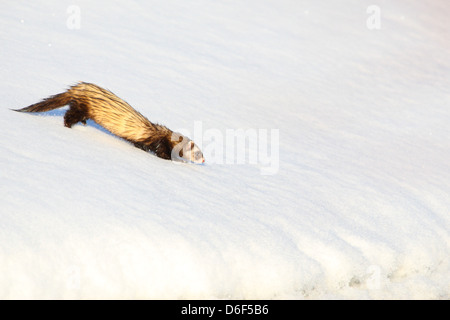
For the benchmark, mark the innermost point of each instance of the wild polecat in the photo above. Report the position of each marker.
(89, 101)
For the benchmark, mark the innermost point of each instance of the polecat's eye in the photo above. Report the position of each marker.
(197, 155)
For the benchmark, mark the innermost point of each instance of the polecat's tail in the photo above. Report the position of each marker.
(50, 103)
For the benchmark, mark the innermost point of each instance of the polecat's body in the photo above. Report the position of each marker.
(89, 101)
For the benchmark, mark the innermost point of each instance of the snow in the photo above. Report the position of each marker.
(347, 193)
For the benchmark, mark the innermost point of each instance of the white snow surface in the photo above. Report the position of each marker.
(357, 207)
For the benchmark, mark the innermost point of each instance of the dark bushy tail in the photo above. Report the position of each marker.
(50, 103)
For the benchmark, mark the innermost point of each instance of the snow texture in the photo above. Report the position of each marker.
(351, 202)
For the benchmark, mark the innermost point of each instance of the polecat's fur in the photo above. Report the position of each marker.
(89, 101)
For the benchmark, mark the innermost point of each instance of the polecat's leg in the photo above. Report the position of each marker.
(160, 147)
(140, 145)
(76, 113)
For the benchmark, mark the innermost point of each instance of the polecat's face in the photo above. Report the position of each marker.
(191, 152)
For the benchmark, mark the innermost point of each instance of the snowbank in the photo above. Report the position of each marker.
(356, 206)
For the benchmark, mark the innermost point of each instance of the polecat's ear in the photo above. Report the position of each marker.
(192, 144)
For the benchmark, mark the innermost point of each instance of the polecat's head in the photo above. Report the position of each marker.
(193, 153)
(187, 150)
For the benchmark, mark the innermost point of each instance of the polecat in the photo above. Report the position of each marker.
(89, 101)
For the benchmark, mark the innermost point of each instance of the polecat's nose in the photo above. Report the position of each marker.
(203, 161)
